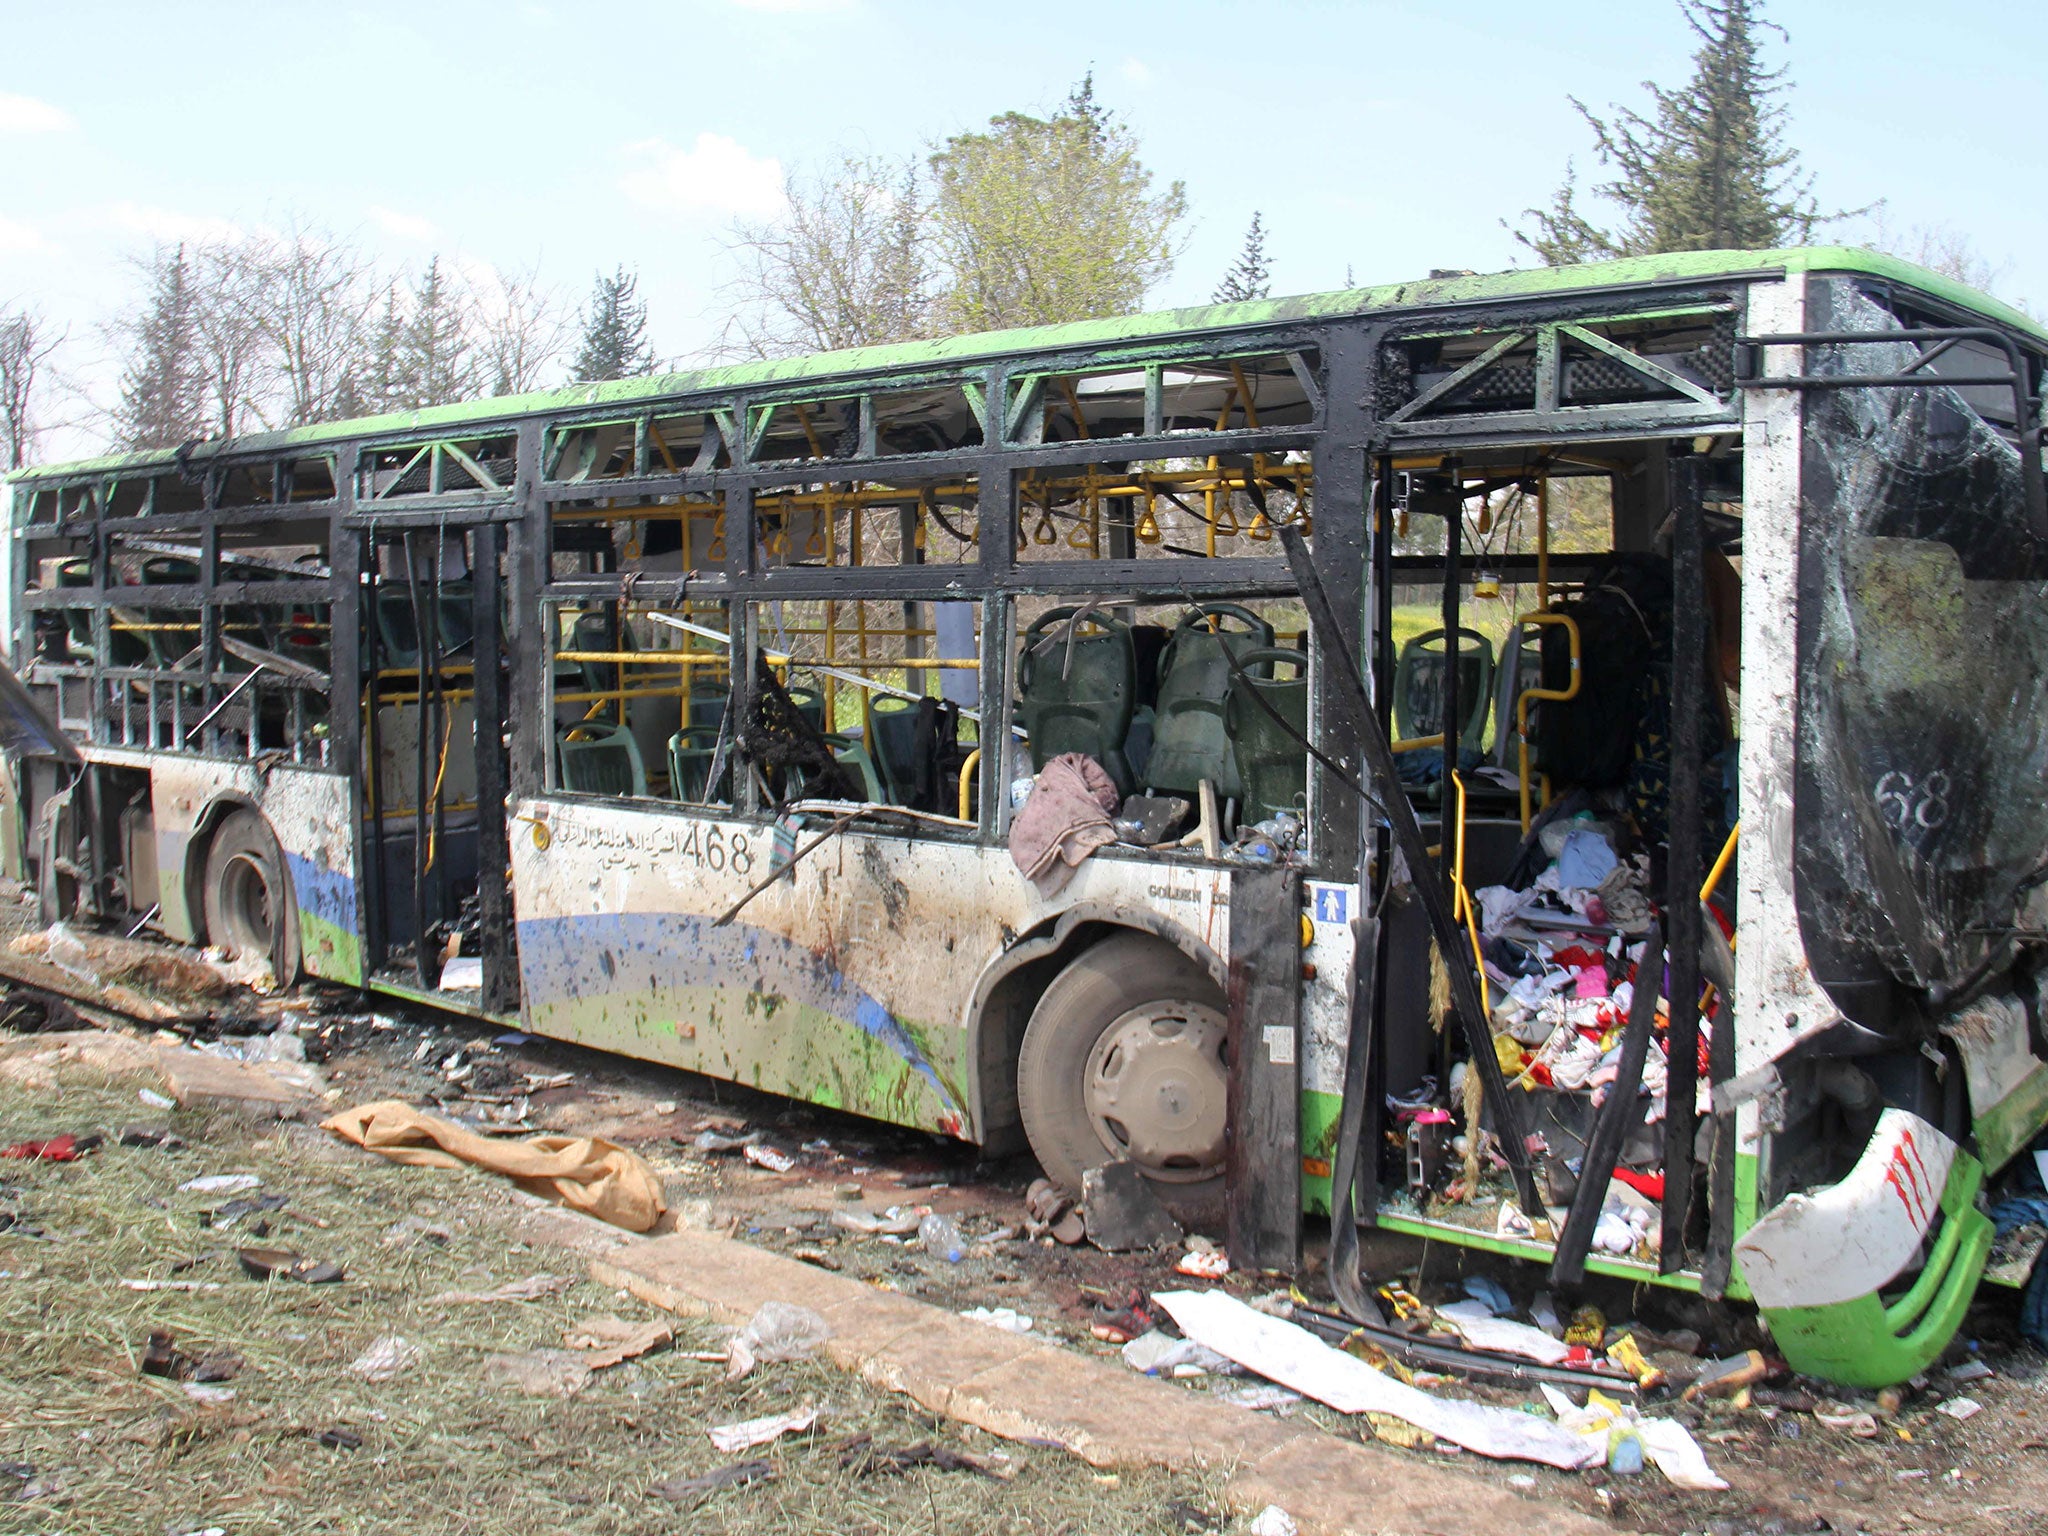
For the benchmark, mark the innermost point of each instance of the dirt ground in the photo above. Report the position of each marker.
(443, 1450)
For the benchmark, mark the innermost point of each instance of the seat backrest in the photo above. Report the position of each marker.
(1521, 668)
(690, 752)
(600, 758)
(593, 632)
(810, 704)
(1076, 690)
(1272, 767)
(1188, 740)
(1419, 686)
(892, 743)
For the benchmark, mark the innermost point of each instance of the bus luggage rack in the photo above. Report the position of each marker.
(2025, 411)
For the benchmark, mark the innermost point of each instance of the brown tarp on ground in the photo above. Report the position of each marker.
(585, 1173)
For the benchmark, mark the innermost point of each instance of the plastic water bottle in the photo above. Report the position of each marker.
(940, 1238)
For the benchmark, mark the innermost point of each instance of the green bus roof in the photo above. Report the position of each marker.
(905, 357)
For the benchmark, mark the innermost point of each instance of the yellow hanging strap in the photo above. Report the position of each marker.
(1147, 531)
(821, 519)
(716, 549)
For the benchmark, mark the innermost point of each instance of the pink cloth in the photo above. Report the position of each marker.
(1065, 819)
(1592, 982)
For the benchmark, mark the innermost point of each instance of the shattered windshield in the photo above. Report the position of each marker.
(1923, 636)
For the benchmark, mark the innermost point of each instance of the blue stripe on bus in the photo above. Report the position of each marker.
(599, 954)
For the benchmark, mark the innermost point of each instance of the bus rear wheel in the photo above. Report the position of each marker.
(1124, 1057)
(247, 897)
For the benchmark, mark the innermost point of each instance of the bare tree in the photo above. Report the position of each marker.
(315, 307)
(25, 349)
(518, 331)
(234, 347)
(846, 266)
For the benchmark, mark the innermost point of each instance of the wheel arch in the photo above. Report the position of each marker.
(288, 955)
(1011, 984)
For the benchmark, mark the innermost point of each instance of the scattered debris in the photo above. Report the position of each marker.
(736, 1475)
(162, 1357)
(220, 1184)
(1203, 1260)
(539, 1372)
(897, 1221)
(1260, 1397)
(216, 1397)
(937, 1236)
(860, 1456)
(606, 1340)
(778, 1330)
(1477, 1324)
(151, 1136)
(339, 1439)
(1295, 1358)
(770, 1158)
(156, 1100)
(1121, 1211)
(532, 1288)
(1006, 1318)
(170, 1285)
(1969, 1370)
(227, 1215)
(717, 1142)
(1273, 1521)
(1160, 1354)
(1725, 1378)
(386, 1358)
(1960, 1408)
(1049, 1212)
(1862, 1425)
(66, 1148)
(587, 1174)
(1626, 1437)
(752, 1432)
(285, 1264)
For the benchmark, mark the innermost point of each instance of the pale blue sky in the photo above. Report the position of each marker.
(1386, 137)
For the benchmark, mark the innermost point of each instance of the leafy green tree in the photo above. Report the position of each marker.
(163, 389)
(1251, 275)
(614, 331)
(1037, 221)
(1707, 168)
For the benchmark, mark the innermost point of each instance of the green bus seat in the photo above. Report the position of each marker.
(1188, 739)
(1272, 767)
(810, 704)
(690, 752)
(1077, 694)
(600, 758)
(1419, 686)
(892, 738)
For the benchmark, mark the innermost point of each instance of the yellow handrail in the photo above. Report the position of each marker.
(1461, 902)
(1721, 864)
(966, 784)
(1522, 703)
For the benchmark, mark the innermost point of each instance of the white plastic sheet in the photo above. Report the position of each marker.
(1297, 1359)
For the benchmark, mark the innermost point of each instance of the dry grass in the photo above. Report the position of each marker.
(440, 1451)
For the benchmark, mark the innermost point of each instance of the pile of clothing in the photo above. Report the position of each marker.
(1562, 954)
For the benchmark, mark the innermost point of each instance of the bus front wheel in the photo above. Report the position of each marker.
(1124, 1057)
(247, 897)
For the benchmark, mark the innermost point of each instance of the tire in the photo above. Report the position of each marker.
(248, 901)
(1124, 1057)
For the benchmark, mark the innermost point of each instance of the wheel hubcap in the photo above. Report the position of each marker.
(1156, 1090)
(245, 892)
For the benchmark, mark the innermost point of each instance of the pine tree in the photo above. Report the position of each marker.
(1709, 169)
(163, 394)
(372, 382)
(435, 355)
(614, 331)
(1251, 275)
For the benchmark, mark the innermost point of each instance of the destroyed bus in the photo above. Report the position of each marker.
(1548, 761)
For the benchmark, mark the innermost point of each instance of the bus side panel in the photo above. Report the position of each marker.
(848, 983)
(837, 985)
(308, 811)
